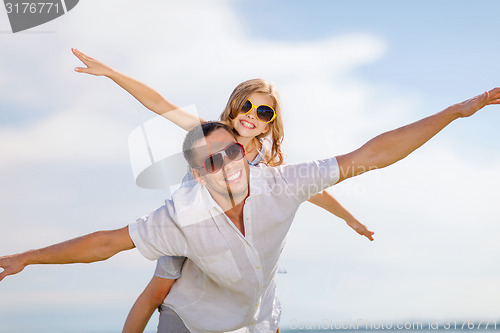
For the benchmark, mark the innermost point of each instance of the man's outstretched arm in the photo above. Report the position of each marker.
(93, 247)
(395, 145)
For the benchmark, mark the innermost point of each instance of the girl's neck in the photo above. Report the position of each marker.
(251, 145)
(247, 142)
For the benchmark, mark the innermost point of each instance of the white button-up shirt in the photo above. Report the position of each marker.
(229, 281)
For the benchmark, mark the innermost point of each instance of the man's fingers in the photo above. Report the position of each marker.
(493, 96)
(494, 92)
(3, 273)
(8, 266)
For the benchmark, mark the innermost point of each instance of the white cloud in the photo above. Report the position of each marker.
(70, 135)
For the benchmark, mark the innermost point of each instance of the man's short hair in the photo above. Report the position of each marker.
(200, 132)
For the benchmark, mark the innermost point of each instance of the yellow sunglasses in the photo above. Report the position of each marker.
(264, 113)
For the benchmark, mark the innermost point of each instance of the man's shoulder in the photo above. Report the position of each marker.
(191, 205)
(263, 170)
(263, 178)
(301, 171)
(186, 190)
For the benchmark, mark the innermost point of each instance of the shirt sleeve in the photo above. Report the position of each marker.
(157, 234)
(303, 180)
(168, 267)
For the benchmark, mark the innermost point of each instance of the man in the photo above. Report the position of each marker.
(233, 223)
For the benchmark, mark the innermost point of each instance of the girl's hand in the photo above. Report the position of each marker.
(94, 66)
(360, 228)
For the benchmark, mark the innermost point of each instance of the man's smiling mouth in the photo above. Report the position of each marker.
(235, 176)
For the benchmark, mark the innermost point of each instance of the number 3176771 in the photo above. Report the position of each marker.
(32, 7)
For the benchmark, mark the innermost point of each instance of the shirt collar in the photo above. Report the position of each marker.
(194, 204)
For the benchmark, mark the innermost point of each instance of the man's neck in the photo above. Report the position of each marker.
(235, 214)
(232, 208)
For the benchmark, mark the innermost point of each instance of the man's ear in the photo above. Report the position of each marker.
(198, 177)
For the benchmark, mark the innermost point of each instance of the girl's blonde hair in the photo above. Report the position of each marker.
(239, 96)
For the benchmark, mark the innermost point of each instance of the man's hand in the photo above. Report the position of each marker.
(11, 265)
(469, 107)
(360, 228)
(94, 66)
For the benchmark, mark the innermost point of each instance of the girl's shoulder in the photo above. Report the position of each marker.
(266, 143)
(263, 153)
(266, 150)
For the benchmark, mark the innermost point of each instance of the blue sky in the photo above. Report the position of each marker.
(346, 71)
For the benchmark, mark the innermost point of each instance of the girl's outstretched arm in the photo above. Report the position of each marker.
(146, 304)
(326, 201)
(149, 97)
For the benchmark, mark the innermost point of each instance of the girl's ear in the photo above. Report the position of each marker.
(265, 129)
(198, 177)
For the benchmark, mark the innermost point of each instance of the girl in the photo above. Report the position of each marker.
(253, 112)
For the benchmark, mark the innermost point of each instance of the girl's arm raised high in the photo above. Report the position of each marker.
(149, 97)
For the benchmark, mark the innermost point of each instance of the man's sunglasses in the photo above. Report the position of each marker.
(264, 113)
(215, 162)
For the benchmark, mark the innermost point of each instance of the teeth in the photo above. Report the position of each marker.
(247, 124)
(234, 176)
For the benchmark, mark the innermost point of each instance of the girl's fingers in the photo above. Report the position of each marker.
(80, 55)
(77, 52)
(81, 69)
